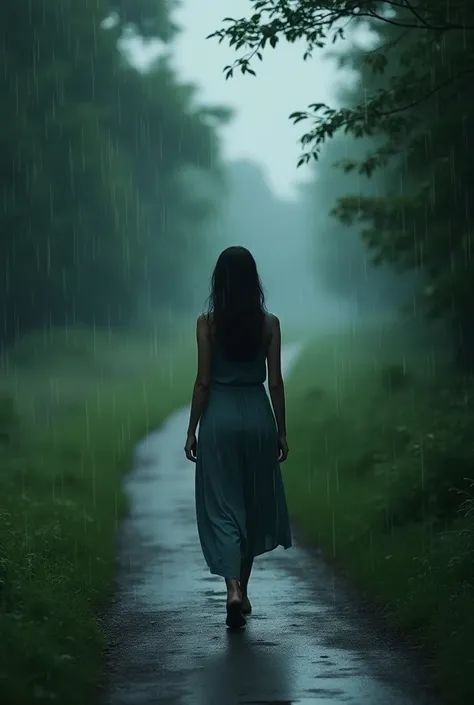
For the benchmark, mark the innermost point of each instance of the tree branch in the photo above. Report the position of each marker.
(436, 89)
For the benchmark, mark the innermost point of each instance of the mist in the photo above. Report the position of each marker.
(261, 200)
(202, 164)
(280, 234)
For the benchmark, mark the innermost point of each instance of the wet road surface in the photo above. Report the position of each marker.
(168, 644)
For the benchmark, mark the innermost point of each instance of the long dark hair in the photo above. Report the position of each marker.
(237, 305)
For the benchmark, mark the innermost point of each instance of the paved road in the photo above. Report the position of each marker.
(168, 640)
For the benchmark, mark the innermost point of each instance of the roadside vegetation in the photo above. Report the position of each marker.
(381, 477)
(72, 406)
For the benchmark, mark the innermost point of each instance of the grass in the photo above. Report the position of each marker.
(380, 476)
(72, 407)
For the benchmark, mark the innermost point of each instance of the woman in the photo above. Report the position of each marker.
(240, 499)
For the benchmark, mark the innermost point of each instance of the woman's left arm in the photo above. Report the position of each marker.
(203, 377)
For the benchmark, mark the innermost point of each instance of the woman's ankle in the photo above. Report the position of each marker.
(233, 590)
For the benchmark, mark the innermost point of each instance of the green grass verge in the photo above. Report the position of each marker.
(382, 452)
(62, 461)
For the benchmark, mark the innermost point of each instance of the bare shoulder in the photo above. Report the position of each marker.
(273, 322)
(203, 323)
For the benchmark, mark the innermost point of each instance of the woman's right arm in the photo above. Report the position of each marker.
(275, 378)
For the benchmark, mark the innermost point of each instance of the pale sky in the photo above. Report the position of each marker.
(260, 129)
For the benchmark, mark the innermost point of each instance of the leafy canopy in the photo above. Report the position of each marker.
(422, 27)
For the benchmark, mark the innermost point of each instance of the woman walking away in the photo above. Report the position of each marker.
(240, 499)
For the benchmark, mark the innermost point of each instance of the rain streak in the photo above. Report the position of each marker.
(333, 140)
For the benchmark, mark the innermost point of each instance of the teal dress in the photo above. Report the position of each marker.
(240, 498)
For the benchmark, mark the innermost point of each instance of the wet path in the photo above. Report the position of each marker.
(168, 641)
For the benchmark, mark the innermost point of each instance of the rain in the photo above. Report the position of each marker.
(140, 139)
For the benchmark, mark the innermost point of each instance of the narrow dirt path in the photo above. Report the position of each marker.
(168, 641)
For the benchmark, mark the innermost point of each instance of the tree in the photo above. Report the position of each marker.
(343, 265)
(422, 220)
(151, 18)
(423, 26)
(418, 118)
(92, 153)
